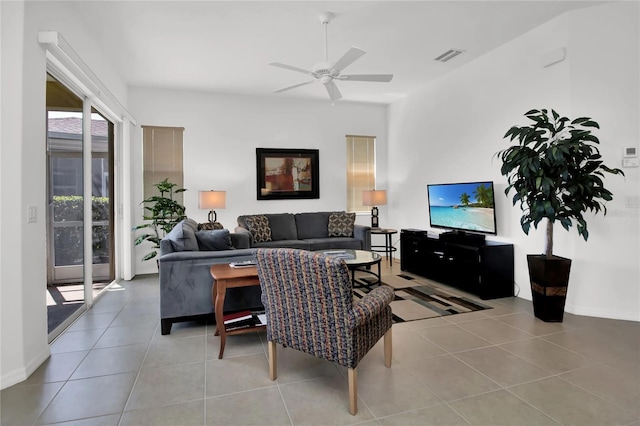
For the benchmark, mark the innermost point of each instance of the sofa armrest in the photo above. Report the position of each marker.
(245, 234)
(363, 233)
(240, 240)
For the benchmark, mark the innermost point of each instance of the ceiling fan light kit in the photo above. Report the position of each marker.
(326, 72)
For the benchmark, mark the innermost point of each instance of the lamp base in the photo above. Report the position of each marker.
(374, 217)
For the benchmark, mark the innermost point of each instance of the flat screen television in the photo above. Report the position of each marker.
(466, 207)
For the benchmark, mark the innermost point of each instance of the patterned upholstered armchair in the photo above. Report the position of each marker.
(310, 307)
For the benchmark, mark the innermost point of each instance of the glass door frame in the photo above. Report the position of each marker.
(87, 276)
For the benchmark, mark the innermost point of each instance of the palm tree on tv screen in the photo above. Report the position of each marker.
(464, 199)
(484, 196)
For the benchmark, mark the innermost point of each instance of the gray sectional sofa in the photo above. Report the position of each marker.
(187, 253)
(307, 231)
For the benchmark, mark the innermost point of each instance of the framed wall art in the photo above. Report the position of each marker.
(285, 174)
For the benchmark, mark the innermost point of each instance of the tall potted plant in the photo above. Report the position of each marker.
(163, 213)
(557, 174)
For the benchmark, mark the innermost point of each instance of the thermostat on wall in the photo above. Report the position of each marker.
(630, 152)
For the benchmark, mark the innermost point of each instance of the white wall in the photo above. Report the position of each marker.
(605, 84)
(12, 339)
(222, 133)
(450, 131)
(23, 315)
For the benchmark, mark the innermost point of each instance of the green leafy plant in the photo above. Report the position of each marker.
(68, 240)
(163, 212)
(556, 172)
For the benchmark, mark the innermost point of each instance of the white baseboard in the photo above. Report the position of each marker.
(21, 374)
(602, 313)
(598, 312)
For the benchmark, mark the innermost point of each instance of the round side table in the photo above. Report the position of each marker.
(358, 260)
(388, 249)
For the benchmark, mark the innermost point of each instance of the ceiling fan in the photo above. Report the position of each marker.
(326, 72)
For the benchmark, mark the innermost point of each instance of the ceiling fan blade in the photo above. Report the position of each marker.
(333, 91)
(294, 86)
(367, 77)
(348, 58)
(290, 67)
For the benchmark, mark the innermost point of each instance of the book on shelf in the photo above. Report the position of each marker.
(260, 318)
(236, 317)
(240, 324)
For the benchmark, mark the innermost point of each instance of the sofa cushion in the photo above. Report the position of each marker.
(312, 225)
(331, 243)
(283, 226)
(294, 244)
(214, 240)
(341, 224)
(258, 225)
(183, 236)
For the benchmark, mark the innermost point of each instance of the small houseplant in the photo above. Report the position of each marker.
(557, 174)
(163, 212)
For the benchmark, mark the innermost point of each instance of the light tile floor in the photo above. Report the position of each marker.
(495, 367)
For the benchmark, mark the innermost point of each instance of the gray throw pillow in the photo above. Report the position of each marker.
(341, 224)
(183, 236)
(215, 240)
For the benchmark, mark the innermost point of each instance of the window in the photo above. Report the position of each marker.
(162, 158)
(361, 170)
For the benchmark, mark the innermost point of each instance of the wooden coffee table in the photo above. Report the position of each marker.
(224, 277)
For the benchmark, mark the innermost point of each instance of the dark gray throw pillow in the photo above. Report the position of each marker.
(218, 239)
(341, 224)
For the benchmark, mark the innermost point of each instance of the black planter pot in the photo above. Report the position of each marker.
(549, 279)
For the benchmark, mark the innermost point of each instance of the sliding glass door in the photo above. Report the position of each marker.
(67, 286)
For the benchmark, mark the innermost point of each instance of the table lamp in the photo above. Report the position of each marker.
(212, 200)
(374, 198)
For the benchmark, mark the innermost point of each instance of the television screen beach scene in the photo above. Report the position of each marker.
(463, 206)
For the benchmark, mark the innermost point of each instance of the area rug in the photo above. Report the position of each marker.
(421, 298)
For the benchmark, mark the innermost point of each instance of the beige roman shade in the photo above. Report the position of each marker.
(162, 158)
(361, 170)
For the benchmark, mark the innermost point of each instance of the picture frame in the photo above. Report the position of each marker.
(285, 174)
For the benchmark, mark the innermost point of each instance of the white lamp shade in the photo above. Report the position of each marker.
(212, 199)
(374, 198)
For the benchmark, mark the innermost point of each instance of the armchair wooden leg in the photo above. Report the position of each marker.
(273, 360)
(387, 348)
(353, 391)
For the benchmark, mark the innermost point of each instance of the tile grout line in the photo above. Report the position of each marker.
(595, 395)
(266, 355)
(204, 387)
(135, 381)
(66, 381)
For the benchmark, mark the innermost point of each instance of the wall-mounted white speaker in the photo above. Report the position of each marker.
(553, 57)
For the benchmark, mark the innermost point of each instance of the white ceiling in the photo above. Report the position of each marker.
(225, 46)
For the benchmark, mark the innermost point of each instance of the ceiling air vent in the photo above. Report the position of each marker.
(449, 54)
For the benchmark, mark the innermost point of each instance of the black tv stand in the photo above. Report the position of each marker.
(462, 237)
(464, 260)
